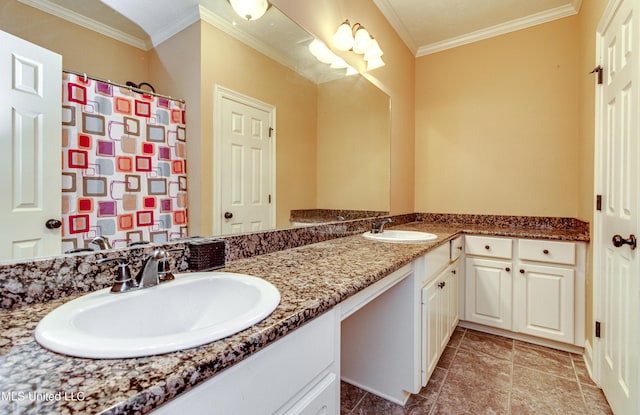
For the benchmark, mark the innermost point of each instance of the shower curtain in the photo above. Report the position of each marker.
(124, 167)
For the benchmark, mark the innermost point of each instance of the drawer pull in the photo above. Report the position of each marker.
(546, 252)
(507, 269)
(487, 247)
(522, 271)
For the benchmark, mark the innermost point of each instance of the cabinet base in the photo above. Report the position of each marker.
(571, 348)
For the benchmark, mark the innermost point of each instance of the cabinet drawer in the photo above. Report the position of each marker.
(456, 248)
(488, 246)
(435, 260)
(547, 251)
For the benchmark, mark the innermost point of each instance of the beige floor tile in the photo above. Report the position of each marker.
(496, 346)
(544, 359)
(536, 392)
(485, 374)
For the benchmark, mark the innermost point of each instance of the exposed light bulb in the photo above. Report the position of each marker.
(343, 39)
(361, 40)
(250, 9)
(321, 51)
(374, 51)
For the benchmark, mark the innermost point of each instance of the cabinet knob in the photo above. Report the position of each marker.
(507, 269)
(546, 252)
(522, 271)
(487, 247)
(453, 271)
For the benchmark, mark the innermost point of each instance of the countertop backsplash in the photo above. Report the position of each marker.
(40, 280)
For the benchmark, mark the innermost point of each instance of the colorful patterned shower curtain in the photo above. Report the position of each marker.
(124, 171)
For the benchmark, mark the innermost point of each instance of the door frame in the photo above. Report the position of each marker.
(219, 94)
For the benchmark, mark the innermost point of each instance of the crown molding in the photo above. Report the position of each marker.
(392, 17)
(76, 18)
(181, 22)
(497, 30)
(216, 21)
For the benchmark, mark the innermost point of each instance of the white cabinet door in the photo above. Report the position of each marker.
(454, 297)
(443, 310)
(430, 339)
(488, 292)
(544, 302)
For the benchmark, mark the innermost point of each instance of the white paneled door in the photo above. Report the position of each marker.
(616, 272)
(246, 147)
(30, 136)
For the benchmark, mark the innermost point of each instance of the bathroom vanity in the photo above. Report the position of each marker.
(345, 304)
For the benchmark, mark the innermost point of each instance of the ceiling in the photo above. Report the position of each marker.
(428, 26)
(425, 26)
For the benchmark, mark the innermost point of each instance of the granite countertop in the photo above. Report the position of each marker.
(312, 279)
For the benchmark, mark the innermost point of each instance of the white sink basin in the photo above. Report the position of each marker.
(194, 309)
(400, 236)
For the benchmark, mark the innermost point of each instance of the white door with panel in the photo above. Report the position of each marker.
(544, 302)
(30, 135)
(488, 292)
(247, 165)
(617, 157)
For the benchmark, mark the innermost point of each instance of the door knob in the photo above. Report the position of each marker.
(53, 224)
(228, 215)
(618, 241)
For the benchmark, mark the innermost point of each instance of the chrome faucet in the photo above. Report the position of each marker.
(101, 242)
(149, 275)
(380, 227)
(155, 270)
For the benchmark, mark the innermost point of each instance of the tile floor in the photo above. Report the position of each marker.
(485, 374)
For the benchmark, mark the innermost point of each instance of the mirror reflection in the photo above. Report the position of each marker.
(331, 132)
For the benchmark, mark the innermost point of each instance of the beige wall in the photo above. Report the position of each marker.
(496, 125)
(321, 18)
(82, 50)
(175, 69)
(295, 99)
(353, 145)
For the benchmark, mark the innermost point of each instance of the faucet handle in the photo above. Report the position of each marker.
(123, 281)
(164, 268)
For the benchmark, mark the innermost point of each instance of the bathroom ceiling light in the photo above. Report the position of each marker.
(361, 39)
(321, 52)
(250, 9)
(343, 39)
(374, 51)
(358, 39)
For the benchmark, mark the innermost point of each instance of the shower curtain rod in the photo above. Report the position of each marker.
(84, 75)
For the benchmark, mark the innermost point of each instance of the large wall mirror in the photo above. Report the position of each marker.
(333, 131)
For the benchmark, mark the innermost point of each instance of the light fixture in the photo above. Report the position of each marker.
(358, 39)
(361, 39)
(374, 51)
(321, 52)
(250, 9)
(343, 39)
